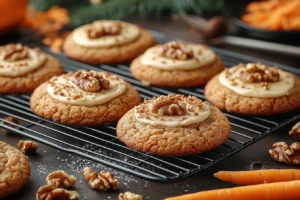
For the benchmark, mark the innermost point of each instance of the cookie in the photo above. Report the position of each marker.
(84, 98)
(14, 170)
(23, 69)
(176, 64)
(173, 125)
(254, 89)
(107, 42)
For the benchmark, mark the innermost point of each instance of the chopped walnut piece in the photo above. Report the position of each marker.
(172, 105)
(287, 154)
(60, 179)
(14, 52)
(102, 181)
(10, 119)
(50, 192)
(90, 81)
(177, 50)
(129, 196)
(27, 146)
(256, 72)
(295, 132)
(99, 30)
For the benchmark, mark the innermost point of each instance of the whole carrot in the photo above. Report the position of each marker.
(270, 191)
(259, 176)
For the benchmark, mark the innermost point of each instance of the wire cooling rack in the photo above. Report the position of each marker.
(101, 144)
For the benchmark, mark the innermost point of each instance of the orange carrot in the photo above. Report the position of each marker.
(271, 191)
(259, 176)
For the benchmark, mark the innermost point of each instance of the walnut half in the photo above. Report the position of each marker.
(99, 30)
(256, 72)
(14, 52)
(287, 154)
(169, 106)
(295, 132)
(129, 196)
(60, 179)
(90, 81)
(102, 181)
(27, 146)
(177, 50)
(50, 192)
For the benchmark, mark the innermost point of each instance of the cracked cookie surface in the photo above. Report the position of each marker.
(116, 54)
(226, 99)
(176, 141)
(175, 78)
(45, 106)
(14, 170)
(28, 82)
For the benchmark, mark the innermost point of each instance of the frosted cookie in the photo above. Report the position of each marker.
(84, 98)
(107, 41)
(176, 64)
(254, 89)
(173, 125)
(14, 170)
(22, 69)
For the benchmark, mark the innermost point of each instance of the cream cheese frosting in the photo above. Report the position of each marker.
(128, 33)
(18, 67)
(202, 56)
(230, 78)
(195, 111)
(63, 89)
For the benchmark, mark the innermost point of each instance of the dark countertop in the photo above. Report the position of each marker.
(48, 159)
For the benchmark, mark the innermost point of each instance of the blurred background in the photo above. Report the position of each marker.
(208, 20)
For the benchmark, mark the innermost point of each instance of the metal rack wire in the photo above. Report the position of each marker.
(102, 145)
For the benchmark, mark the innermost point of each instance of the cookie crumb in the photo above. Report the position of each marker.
(10, 119)
(27, 146)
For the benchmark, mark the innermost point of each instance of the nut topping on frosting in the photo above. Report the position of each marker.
(171, 106)
(17, 60)
(256, 72)
(86, 87)
(257, 80)
(90, 81)
(14, 52)
(99, 30)
(177, 50)
(172, 110)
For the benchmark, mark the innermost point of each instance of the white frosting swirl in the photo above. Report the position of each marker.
(64, 90)
(194, 114)
(129, 33)
(274, 89)
(202, 56)
(20, 67)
